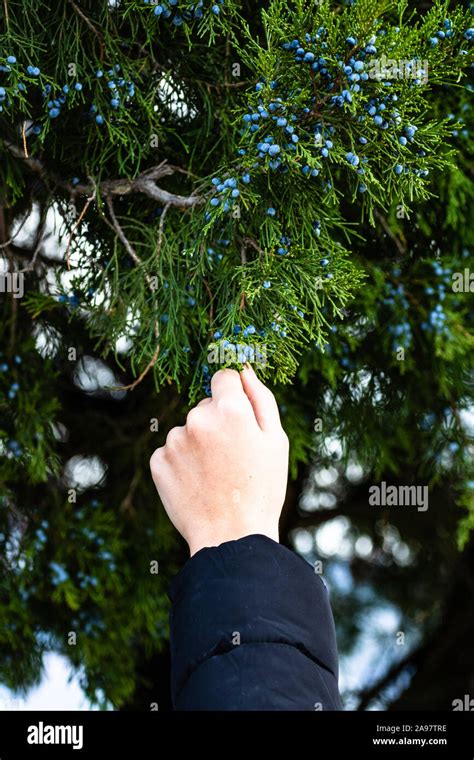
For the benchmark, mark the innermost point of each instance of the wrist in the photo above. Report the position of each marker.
(215, 536)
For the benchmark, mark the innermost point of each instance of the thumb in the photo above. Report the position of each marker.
(263, 401)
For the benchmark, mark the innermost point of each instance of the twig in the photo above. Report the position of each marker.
(145, 372)
(13, 237)
(161, 230)
(129, 248)
(90, 25)
(7, 18)
(211, 307)
(135, 257)
(25, 147)
(79, 220)
(401, 248)
(37, 248)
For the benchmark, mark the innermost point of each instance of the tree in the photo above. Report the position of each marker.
(200, 185)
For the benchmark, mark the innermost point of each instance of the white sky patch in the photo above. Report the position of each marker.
(84, 472)
(172, 95)
(303, 541)
(59, 689)
(325, 477)
(332, 538)
(94, 377)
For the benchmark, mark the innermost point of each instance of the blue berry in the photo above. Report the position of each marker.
(99, 119)
(11, 59)
(54, 113)
(271, 211)
(78, 86)
(267, 284)
(398, 169)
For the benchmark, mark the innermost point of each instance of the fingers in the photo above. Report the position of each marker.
(226, 383)
(262, 400)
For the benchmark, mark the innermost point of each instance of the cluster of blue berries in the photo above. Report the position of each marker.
(72, 300)
(32, 71)
(55, 104)
(14, 387)
(14, 448)
(167, 9)
(284, 247)
(227, 193)
(121, 90)
(215, 256)
(402, 331)
(437, 317)
(442, 34)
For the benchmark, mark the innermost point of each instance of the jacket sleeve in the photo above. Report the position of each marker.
(252, 629)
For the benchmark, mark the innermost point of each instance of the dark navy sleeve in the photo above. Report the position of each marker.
(252, 629)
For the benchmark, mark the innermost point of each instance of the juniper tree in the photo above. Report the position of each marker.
(206, 184)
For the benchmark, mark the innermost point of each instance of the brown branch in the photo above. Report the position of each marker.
(211, 308)
(90, 25)
(145, 372)
(145, 183)
(81, 217)
(401, 248)
(25, 147)
(161, 227)
(135, 257)
(39, 242)
(13, 237)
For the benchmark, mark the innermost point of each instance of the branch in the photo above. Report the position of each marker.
(136, 258)
(79, 220)
(90, 25)
(401, 248)
(145, 183)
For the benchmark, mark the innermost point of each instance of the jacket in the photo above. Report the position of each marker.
(251, 628)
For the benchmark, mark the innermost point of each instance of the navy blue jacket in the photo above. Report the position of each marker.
(252, 629)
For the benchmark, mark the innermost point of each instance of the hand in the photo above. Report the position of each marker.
(223, 475)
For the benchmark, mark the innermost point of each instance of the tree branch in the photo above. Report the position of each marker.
(401, 248)
(145, 183)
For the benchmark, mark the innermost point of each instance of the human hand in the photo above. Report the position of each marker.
(223, 475)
